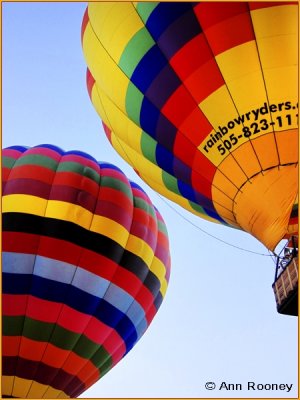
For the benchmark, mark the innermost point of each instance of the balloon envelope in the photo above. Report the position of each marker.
(86, 265)
(202, 100)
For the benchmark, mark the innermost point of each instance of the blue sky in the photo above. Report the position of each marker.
(218, 321)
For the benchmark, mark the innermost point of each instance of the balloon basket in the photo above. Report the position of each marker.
(286, 289)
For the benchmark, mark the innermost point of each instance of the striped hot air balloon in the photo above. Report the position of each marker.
(86, 266)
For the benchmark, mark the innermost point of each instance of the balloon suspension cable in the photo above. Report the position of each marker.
(273, 255)
(211, 235)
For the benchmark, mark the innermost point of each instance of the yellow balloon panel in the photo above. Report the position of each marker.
(105, 70)
(112, 23)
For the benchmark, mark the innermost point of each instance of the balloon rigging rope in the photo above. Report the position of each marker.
(209, 234)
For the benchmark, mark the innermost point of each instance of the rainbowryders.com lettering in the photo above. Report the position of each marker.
(225, 138)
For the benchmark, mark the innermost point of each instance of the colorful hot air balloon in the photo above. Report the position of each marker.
(202, 100)
(86, 265)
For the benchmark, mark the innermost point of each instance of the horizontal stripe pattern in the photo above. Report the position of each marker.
(69, 319)
(73, 233)
(85, 267)
(41, 373)
(74, 298)
(81, 279)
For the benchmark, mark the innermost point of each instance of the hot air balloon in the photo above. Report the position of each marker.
(86, 265)
(202, 100)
